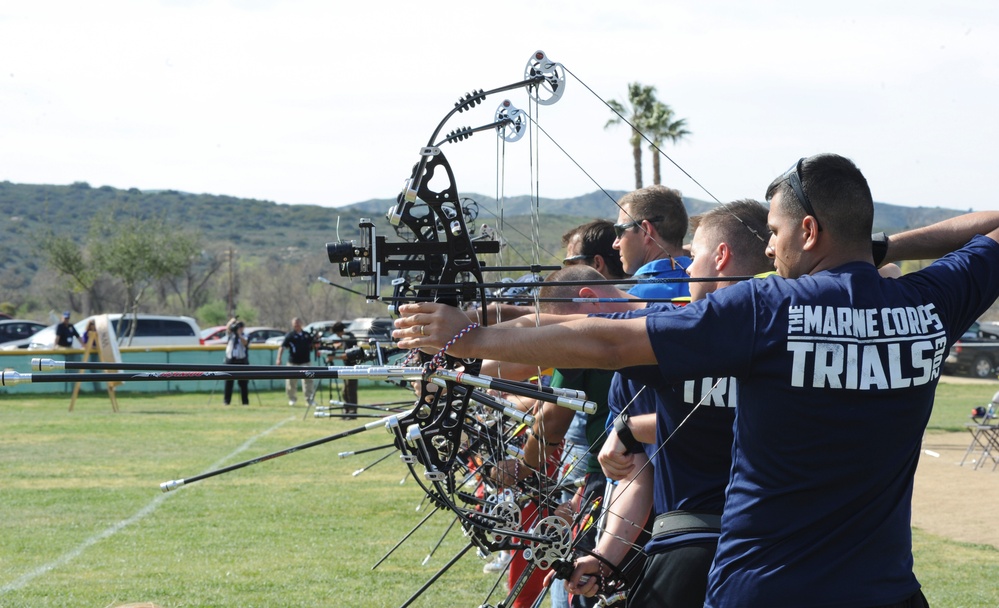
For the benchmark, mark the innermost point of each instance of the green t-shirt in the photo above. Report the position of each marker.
(596, 384)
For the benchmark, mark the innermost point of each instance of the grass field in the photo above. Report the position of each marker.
(85, 524)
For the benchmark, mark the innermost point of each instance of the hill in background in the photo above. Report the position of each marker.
(271, 229)
(267, 232)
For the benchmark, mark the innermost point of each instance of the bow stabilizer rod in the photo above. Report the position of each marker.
(12, 378)
(169, 486)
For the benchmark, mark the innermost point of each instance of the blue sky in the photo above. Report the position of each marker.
(317, 102)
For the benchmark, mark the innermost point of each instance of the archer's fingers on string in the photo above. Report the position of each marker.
(586, 586)
(417, 307)
(403, 322)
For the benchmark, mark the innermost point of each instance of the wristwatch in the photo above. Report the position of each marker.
(879, 247)
(624, 434)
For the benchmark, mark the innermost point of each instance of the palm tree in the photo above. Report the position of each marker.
(660, 126)
(641, 100)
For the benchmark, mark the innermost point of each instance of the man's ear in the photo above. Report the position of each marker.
(587, 292)
(723, 256)
(649, 232)
(599, 264)
(809, 233)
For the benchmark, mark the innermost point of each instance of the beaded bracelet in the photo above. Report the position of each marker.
(439, 357)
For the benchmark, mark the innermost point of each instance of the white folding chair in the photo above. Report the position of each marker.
(984, 429)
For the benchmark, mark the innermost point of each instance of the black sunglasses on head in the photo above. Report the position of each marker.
(574, 259)
(793, 176)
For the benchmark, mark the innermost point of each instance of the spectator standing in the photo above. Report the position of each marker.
(87, 333)
(65, 332)
(300, 346)
(237, 353)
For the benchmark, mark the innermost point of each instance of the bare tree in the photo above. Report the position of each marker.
(192, 287)
(70, 259)
(135, 252)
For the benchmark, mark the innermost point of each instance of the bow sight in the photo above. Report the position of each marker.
(442, 247)
(374, 257)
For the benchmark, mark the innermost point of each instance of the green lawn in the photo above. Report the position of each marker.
(84, 522)
(955, 401)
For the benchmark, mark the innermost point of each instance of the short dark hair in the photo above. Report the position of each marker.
(597, 238)
(743, 225)
(839, 195)
(338, 327)
(569, 273)
(659, 201)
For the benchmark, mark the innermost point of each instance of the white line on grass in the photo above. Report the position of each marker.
(69, 556)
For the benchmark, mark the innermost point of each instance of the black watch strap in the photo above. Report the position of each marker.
(879, 247)
(631, 445)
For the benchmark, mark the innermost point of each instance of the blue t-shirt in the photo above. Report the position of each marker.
(664, 268)
(837, 373)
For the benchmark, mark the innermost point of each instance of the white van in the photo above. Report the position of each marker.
(151, 330)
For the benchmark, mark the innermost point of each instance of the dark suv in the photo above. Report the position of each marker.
(976, 353)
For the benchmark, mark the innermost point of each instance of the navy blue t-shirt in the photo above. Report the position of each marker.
(692, 468)
(837, 372)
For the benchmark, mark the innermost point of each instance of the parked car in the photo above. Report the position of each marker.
(368, 328)
(16, 333)
(260, 335)
(213, 333)
(976, 353)
(256, 335)
(151, 330)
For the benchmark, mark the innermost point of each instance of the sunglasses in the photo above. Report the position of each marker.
(793, 176)
(620, 229)
(572, 260)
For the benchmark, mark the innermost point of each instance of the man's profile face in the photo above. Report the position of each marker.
(701, 265)
(630, 243)
(785, 240)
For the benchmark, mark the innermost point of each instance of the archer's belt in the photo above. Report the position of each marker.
(685, 522)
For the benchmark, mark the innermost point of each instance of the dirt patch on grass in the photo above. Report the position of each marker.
(954, 501)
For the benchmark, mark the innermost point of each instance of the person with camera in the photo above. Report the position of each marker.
(65, 332)
(300, 345)
(344, 342)
(236, 353)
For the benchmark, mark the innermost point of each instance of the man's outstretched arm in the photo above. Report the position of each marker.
(583, 343)
(937, 240)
